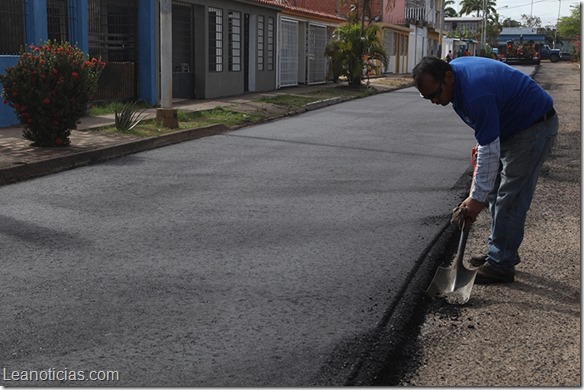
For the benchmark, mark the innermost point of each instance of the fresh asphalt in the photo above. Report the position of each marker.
(275, 255)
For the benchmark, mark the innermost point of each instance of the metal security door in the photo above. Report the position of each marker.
(183, 76)
(316, 54)
(288, 75)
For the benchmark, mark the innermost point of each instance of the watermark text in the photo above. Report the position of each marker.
(64, 375)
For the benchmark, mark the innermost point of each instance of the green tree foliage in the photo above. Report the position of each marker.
(508, 22)
(569, 26)
(353, 50)
(449, 11)
(467, 7)
(531, 21)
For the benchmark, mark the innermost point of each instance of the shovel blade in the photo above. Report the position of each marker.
(453, 283)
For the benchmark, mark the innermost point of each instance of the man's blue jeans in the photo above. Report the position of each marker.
(522, 157)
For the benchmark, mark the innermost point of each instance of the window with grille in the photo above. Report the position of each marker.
(270, 43)
(234, 41)
(215, 39)
(11, 26)
(260, 42)
(57, 20)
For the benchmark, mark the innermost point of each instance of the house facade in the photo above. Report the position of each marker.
(219, 47)
(304, 35)
(223, 47)
(423, 22)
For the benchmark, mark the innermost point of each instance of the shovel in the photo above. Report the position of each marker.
(455, 282)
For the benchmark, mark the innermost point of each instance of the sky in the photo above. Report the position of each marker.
(546, 10)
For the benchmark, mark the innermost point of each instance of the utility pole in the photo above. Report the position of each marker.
(484, 23)
(166, 114)
(557, 21)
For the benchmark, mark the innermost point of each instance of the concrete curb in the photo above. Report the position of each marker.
(322, 103)
(58, 164)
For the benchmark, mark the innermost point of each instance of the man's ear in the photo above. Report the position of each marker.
(449, 77)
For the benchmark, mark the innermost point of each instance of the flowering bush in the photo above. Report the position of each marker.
(49, 89)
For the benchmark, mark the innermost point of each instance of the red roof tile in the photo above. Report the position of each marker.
(301, 11)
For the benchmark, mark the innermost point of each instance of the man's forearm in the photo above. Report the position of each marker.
(486, 170)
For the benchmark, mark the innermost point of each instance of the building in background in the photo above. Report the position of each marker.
(424, 19)
(219, 47)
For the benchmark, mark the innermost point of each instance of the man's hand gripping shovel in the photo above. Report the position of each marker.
(455, 282)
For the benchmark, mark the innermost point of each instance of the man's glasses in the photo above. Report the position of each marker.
(434, 94)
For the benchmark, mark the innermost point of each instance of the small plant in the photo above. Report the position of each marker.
(128, 117)
(49, 89)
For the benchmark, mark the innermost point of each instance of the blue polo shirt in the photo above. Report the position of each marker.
(495, 99)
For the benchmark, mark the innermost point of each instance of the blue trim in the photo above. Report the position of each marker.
(146, 61)
(78, 24)
(7, 115)
(36, 21)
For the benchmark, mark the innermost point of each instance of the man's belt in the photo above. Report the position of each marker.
(545, 117)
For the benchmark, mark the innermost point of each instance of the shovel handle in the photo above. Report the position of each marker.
(462, 242)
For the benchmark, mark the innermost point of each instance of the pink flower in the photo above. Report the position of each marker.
(47, 101)
(75, 75)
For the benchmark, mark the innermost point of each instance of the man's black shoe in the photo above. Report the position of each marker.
(477, 261)
(486, 274)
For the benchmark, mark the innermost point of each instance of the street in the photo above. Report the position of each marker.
(258, 257)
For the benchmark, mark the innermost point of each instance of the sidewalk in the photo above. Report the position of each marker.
(20, 161)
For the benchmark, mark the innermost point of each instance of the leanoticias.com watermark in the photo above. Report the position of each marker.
(8, 376)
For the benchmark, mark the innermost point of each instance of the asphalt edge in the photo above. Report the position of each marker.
(385, 360)
(17, 173)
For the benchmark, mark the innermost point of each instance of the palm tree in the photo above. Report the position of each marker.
(358, 10)
(352, 49)
(470, 6)
(448, 10)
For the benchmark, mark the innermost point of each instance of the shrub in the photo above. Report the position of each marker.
(49, 88)
(128, 117)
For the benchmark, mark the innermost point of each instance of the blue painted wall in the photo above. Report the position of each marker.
(36, 24)
(146, 61)
(7, 115)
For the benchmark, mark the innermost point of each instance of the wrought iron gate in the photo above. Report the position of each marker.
(58, 20)
(288, 53)
(112, 36)
(316, 54)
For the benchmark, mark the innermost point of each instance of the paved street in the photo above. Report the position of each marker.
(261, 257)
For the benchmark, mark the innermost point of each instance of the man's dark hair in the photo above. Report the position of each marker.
(433, 66)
